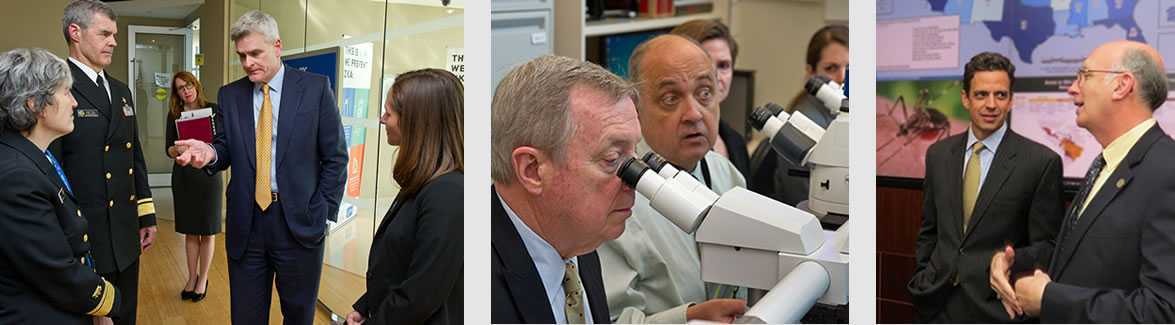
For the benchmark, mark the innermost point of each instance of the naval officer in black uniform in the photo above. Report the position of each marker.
(102, 157)
(46, 276)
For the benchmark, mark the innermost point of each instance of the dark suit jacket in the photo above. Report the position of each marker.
(1116, 264)
(311, 157)
(516, 291)
(104, 162)
(1019, 202)
(736, 148)
(416, 263)
(42, 242)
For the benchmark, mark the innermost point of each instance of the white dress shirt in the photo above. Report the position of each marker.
(550, 266)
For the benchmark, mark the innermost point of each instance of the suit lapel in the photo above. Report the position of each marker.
(288, 112)
(954, 179)
(88, 90)
(245, 113)
(1001, 167)
(117, 116)
(593, 284)
(522, 279)
(1115, 184)
(30, 151)
(397, 204)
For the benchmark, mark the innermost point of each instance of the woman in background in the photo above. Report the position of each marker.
(414, 275)
(46, 276)
(828, 56)
(197, 195)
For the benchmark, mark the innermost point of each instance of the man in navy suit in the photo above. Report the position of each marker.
(285, 184)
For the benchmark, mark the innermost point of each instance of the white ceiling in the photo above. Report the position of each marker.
(166, 9)
(178, 9)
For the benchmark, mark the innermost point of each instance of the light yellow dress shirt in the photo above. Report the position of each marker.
(1114, 153)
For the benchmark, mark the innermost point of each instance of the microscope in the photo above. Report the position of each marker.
(804, 143)
(750, 240)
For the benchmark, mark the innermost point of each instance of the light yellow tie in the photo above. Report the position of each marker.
(573, 291)
(264, 142)
(971, 183)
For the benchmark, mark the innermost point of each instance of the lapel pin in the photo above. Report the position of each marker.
(1121, 183)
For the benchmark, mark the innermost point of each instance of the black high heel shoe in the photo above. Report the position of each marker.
(196, 297)
(187, 295)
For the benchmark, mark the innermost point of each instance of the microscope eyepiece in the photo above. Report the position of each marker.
(631, 170)
(655, 161)
(813, 85)
(759, 117)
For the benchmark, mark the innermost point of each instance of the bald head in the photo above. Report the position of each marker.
(668, 48)
(1144, 64)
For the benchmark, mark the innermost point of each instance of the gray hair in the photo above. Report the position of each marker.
(28, 75)
(255, 21)
(531, 107)
(1152, 80)
(81, 13)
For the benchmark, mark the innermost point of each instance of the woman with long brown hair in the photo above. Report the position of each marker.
(197, 195)
(416, 263)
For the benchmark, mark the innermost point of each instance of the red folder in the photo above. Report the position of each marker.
(197, 128)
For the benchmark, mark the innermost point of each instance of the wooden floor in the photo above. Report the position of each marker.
(164, 272)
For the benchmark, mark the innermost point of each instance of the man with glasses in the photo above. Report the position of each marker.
(984, 188)
(1114, 259)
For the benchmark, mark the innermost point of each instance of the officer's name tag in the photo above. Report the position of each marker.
(87, 113)
(127, 110)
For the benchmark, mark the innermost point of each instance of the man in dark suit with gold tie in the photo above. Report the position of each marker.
(1114, 259)
(102, 157)
(983, 188)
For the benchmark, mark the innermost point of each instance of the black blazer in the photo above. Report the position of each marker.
(516, 291)
(415, 269)
(42, 243)
(104, 162)
(1116, 263)
(1019, 202)
(736, 148)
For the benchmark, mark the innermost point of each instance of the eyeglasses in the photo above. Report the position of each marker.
(1084, 74)
(186, 87)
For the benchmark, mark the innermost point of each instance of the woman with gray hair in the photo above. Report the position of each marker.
(48, 277)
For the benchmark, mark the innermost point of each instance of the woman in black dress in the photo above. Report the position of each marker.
(416, 264)
(197, 196)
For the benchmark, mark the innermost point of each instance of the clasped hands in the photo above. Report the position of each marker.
(1024, 297)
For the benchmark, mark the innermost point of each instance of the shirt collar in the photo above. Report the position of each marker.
(546, 259)
(275, 84)
(1117, 150)
(90, 73)
(992, 142)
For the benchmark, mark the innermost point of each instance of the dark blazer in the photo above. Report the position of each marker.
(1116, 263)
(516, 290)
(736, 148)
(311, 157)
(415, 270)
(1019, 202)
(42, 244)
(104, 162)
